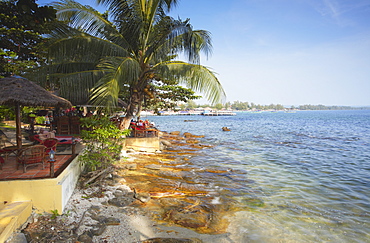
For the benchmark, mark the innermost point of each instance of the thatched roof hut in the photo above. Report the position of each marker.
(16, 91)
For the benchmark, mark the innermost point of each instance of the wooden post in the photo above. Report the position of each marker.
(18, 125)
(73, 148)
(51, 168)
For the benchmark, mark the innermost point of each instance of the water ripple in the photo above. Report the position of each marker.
(304, 177)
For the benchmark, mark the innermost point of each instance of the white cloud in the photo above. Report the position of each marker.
(341, 11)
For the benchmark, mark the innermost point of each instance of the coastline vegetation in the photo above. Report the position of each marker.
(333, 107)
(244, 106)
(103, 142)
(23, 25)
(124, 53)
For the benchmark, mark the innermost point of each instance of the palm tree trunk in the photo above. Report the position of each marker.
(132, 110)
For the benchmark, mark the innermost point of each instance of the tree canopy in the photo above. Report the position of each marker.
(22, 24)
(100, 58)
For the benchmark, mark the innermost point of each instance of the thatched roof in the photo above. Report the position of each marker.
(17, 90)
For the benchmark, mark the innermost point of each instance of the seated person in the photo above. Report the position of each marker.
(140, 125)
(43, 134)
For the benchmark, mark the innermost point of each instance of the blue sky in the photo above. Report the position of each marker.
(290, 52)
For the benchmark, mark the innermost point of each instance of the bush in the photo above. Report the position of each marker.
(104, 142)
(6, 113)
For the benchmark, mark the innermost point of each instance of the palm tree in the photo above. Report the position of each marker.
(126, 54)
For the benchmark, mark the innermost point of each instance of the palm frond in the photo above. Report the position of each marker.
(193, 42)
(119, 71)
(125, 69)
(84, 47)
(176, 36)
(105, 93)
(94, 56)
(197, 77)
(88, 20)
(76, 86)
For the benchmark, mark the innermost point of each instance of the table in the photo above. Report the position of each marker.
(8, 150)
(11, 149)
(63, 140)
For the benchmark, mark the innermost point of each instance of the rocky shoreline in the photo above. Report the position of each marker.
(147, 198)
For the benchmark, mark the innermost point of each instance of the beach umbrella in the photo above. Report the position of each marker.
(18, 91)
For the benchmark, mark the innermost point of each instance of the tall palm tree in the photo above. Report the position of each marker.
(127, 53)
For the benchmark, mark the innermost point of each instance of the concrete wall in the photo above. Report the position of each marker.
(69, 180)
(150, 144)
(45, 194)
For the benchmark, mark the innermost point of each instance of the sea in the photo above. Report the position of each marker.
(302, 176)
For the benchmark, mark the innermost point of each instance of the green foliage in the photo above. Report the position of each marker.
(22, 24)
(6, 113)
(104, 142)
(191, 104)
(55, 214)
(238, 105)
(120, 55)
(40, 119)
(323, 107)
(219, 106)
(164, 96)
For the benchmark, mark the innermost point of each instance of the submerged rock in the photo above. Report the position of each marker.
(166, 143)
(172, 240)
(131, 166)
(196, 218)
(153, 167)
(143, 197)
(189, 135)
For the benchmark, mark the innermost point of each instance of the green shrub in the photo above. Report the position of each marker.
(6, 113)
(104, 142)
(40, 119)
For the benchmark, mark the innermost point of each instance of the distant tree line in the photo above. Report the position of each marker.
(240, 106)
(324, 107)
(236, 105)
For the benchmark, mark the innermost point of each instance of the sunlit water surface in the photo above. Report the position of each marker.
(303, 177)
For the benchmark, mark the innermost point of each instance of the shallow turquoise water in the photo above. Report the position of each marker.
(303, 177)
